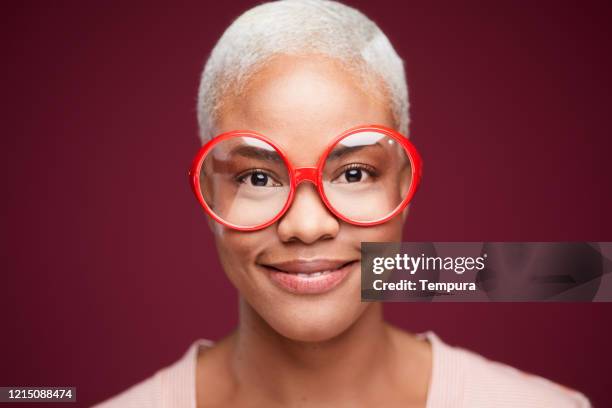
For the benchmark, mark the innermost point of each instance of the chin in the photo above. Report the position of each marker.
(315, 320)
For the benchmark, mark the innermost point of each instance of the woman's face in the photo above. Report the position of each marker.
(302, 103)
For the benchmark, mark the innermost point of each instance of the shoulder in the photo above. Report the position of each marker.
(143, 394)
(490, 380)
(484, 382)
(171, 386)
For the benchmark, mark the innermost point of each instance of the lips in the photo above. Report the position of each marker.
(309, 276)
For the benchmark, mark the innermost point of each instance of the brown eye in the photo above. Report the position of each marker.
(353, 175)
(258, 178)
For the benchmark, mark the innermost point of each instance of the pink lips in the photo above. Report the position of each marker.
(309, 277)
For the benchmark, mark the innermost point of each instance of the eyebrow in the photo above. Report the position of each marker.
(256, 153)
(342, 150)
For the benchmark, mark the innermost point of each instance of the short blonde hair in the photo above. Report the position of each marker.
(296, 27)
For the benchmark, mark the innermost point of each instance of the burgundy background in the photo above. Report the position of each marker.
(108, 269)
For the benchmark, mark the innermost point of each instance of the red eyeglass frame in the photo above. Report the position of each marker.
(314, 175)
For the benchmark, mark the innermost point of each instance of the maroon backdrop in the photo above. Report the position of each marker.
(108, 269)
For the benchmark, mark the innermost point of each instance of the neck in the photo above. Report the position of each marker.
(288, 371)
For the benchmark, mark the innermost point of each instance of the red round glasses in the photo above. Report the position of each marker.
(366, 176)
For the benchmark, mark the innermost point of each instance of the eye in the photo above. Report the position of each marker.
(355, 173)
(258, 178)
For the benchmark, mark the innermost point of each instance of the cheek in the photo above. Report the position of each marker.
(388, 231)
(238, 251)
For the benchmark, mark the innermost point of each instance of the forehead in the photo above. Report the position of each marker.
(302, 103)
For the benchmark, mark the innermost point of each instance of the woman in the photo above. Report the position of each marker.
(302, 107)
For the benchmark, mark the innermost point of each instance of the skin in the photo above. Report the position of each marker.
(296, 350)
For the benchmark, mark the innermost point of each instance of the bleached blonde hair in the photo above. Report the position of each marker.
(298, 27)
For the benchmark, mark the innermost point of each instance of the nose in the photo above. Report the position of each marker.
(307, 220)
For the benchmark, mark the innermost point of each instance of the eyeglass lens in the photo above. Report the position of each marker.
(245, 182)
(366, 176)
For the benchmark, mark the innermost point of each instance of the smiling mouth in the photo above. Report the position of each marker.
(309, 277)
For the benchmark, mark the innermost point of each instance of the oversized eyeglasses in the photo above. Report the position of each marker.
(366, 176)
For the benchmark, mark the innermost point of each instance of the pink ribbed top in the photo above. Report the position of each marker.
(460, 379)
